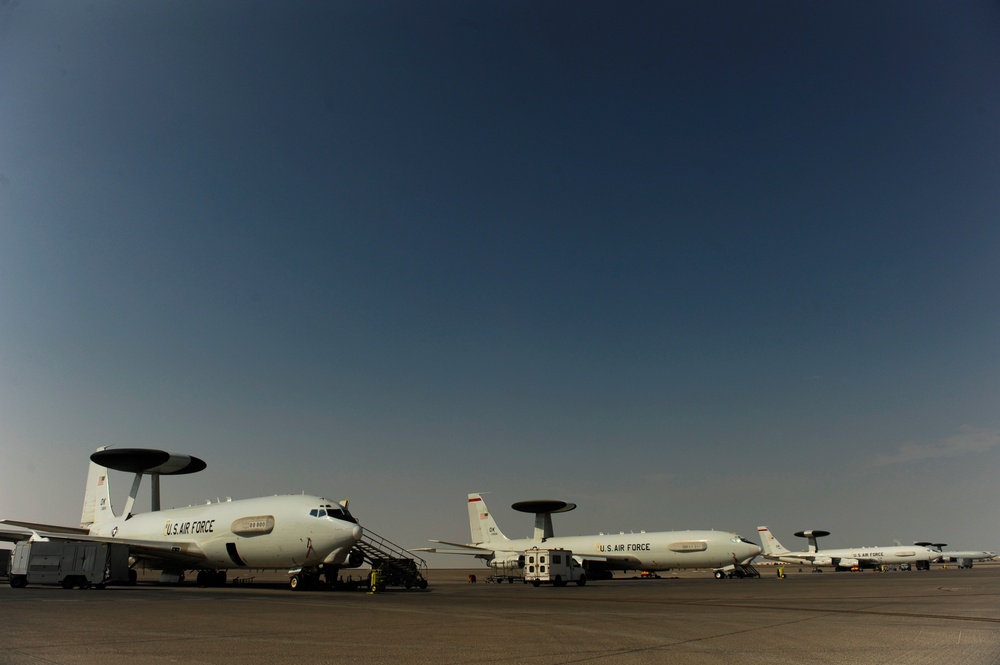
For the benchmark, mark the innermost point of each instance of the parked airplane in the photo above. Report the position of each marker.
(964, 558)
(602, 553)
(844, 559)
(308, 534)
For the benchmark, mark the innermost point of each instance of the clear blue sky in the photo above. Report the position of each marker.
(688, 265)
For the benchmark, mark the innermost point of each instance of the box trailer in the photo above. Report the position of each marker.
(69, 564)
(557, 567)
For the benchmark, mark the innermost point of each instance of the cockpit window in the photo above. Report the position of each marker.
(336, 512)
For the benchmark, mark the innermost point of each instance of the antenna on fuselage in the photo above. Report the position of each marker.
(543, 509)
(812, 535)
(149, 462)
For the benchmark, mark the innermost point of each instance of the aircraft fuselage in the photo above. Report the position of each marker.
(267, 532)
(864, 556)
(651, 551)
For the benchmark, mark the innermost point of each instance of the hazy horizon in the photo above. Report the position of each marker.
(686, 265)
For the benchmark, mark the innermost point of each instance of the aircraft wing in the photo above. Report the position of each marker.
(176, 553)
(798, 556)
(456, 548)
(610, 562)
(603, 560)
(159, 553)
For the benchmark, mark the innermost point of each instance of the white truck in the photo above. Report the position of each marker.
(557, 567)
(69, 564)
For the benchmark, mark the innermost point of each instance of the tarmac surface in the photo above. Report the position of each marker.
(937, 616)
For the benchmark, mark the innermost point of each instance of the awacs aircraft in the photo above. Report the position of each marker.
(963, 557)
(602, 554)
(308, 534)
(844, 559)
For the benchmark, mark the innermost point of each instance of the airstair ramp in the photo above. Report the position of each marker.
(740, 571)
(395, 565)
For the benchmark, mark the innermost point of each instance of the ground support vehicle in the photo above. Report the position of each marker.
(556, 567)
(506, 571)
(733, 571)
(69, 564)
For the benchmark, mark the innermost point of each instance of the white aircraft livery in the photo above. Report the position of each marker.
(308, 534)
(963, 557)
(602, 553)
(844, 559)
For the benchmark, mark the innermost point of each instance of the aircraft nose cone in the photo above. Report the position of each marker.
(357, 531)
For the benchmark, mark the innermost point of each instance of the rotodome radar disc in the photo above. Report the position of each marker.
(543, 506)
(147, 460)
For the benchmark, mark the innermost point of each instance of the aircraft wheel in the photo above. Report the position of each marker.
(296, 583)
(720, 575)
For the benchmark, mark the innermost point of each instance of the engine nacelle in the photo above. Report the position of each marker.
(846, 563)
(354, 559)
(508, 560)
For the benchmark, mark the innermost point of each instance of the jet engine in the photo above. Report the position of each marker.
(354, 559)
(508, 560)
(846, 564)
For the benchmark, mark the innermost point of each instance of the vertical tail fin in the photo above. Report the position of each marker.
(481, 524)
(97, 497)
(769, 543)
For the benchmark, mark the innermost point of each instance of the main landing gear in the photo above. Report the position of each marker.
(211, 578)
(309, 578)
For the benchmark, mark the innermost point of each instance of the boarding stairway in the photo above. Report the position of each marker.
(739, 571)
(395, 566)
